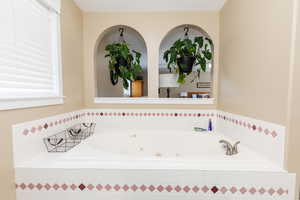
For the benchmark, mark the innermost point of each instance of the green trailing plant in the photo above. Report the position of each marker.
(198, 51)
(123, 63)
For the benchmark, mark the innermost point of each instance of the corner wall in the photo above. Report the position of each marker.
(72, 59)
(255, 45)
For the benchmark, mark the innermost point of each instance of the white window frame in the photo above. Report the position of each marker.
(28, 102)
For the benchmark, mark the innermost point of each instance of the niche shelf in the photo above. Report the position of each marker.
(105, 89)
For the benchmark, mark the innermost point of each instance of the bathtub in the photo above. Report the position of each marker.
(174, 150)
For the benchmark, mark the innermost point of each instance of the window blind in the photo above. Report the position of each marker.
(29, 50)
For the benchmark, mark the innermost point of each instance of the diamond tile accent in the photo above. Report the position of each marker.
(64, 187)
(39, 186)
(205, 189)
(243, 190)
(169, 188)
(47, 186)
(99, 187)
(25, 132)
(262, 191)
(214, 189)
(280, 191)
(151, 188)
(73, 187)
(160, 188)
(108, 187)
(125, 187)
(233, 190)
(117, 187)
(223, 190)
(186, 189)
(177, 188)
(55, 187)
(90, 187)
(271, 191)
(143, 188)
(134, 188)
(81, 187)
(252, 190)
(23, 186)
(31, 186)
(196, 189)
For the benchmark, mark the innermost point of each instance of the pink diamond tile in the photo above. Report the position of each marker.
(107, 187)
(280, 191)
(99, 187)
(73, 187)
(46, 126)
(223, 190)
(196, 189)
(267, 131)
(151, 188)
(177, 188)
(160, 188)
(243, 190)
(47, 186)
(252, 190)
(271, 191)
(30, 186)
(51, 124)
(204, 189)
(55, 187)
(23, 186)
(64, 187)
(169, 188)
(117, 187)
(25, 132)
(143, 188)
(274, 134)
(134, 188)
(260, 129)
(233, 190)
(262, 191)
(125, 187)
(186, 189)
(32, 130)
(90, 187)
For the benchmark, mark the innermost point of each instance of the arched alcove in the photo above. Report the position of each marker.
(104, 86)
(195, 85)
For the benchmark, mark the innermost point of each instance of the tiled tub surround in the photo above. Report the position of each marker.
(266, 138)
(115, 157)
(95, 184)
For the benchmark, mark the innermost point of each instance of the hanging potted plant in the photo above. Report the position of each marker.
(184, 54)
(123, 63)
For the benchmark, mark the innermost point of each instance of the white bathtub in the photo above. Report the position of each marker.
(154, 150)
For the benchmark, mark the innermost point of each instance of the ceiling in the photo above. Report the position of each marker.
(148, 5)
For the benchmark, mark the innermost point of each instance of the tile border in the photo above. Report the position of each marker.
(205, 189)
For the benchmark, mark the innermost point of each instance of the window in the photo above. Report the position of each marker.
(30, 63)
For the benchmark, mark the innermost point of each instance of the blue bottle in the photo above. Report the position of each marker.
(210, 128)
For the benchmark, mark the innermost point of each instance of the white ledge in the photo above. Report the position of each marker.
(145, 100)
(17, 103)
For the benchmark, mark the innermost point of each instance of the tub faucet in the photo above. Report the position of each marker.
(230, 149)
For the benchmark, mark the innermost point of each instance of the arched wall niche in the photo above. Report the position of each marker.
(199, 86)
(103, 85)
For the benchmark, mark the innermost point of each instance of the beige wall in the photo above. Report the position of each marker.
(153, 27)
(255, 40)
(293, 126)
(73, 90)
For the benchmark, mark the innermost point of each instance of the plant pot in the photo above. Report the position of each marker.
(113, 74)
(186, 63)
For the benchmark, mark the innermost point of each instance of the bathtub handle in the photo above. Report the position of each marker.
(60, 141)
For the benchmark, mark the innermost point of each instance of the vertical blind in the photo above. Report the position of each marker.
(29, 50)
